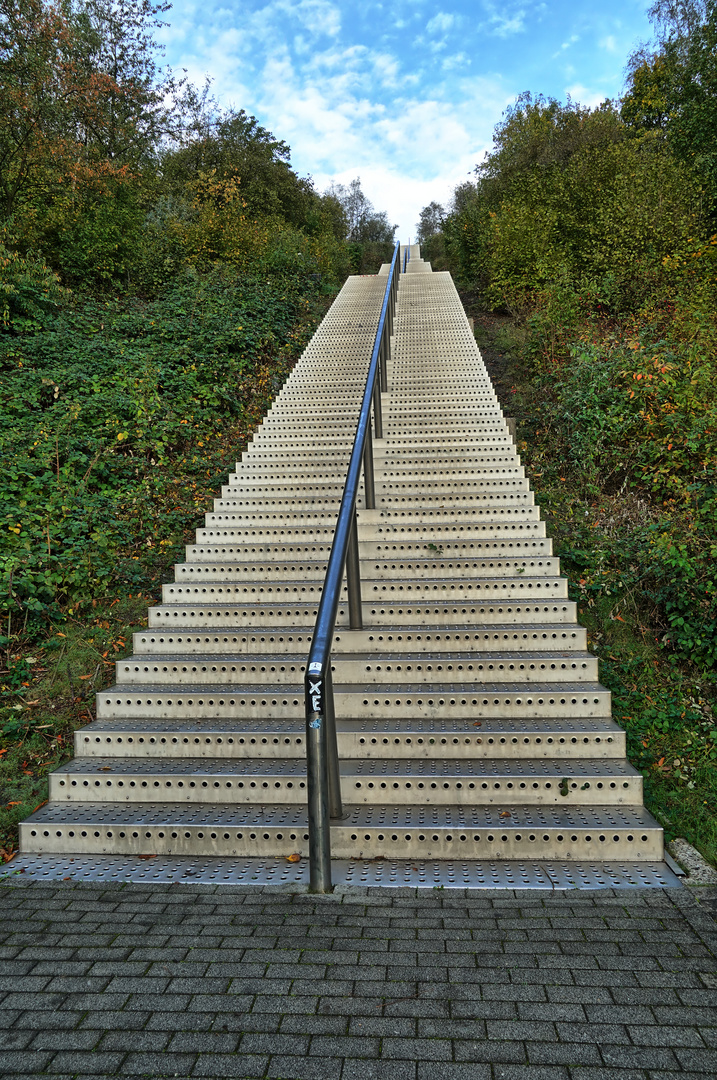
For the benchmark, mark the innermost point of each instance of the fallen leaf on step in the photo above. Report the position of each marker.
(505, 813)
(477, 723)
(146, 856)
(106, 768)
(294, 858)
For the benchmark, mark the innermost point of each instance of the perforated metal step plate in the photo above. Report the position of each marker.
(384, 873)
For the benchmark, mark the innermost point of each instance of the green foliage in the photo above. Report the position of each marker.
(672, 92)
(29, 291)
(101, 415)
(567, 200)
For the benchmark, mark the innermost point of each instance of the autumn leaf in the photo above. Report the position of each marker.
(293, 858)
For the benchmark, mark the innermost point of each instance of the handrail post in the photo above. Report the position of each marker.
(353, 578)
(317, 784)
(369, 484)
(377, 415)
(336, 809)
(386, 350)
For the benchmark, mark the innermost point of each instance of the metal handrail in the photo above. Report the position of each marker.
(322, 762)
(406, 257)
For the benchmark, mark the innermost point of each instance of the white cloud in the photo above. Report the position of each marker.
(441, 23)
(501, 22)
(457, 60)
(572, 40)
(584, 96)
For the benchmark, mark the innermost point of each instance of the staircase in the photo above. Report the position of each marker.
(476, 744)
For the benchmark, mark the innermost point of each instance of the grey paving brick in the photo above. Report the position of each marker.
(300, 1068)
(284, 1004)
(587, 1072)
(384, 1025)
(664, 1035)
(31, 984)
(379, 1070)
(26, 1062)
(63, 967)
(142, 1064)
(46, 1020)
(241, 1022)
(641, 1057)
(563, 1053)
(84, 1062)
(109, 1020)
(152, 1002)
(255, 1042)
(216, 1065)
(144, 984)
(521, 1029)
(530, 1072)
(314, 1025)
(699, 1060)
(593, 1033)
(84, 1039)
(119, 967)
(452, 1070)
(135, 1041)
(81, 1002)
(204, 1042)
(551, 1011)
(416, 1049)
(337, 987)
(16, 1039)
(489, 1051)
(513, 992)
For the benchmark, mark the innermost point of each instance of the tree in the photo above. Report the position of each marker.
(364, 224)
(672, 90)
(430, 222)
(127, 103)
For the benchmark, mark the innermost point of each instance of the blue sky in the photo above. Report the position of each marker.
(404, 95)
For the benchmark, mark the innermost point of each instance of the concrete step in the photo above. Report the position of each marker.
(403, 613)
(442, 832)
(415, 738)
(356, 668)
(426, 640)
(434, 782)
(416, 589)
(471, 701)
(463, 569)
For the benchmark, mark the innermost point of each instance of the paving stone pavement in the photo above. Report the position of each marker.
(193, 981)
